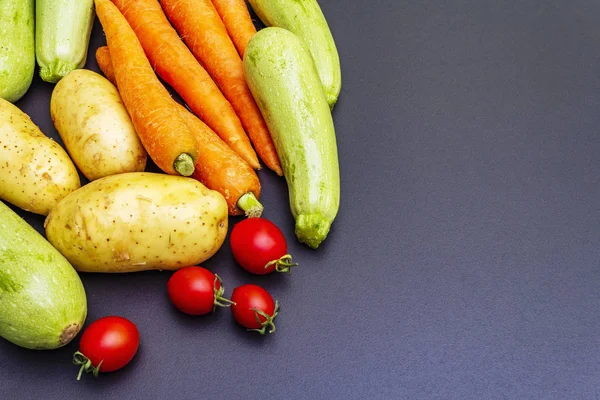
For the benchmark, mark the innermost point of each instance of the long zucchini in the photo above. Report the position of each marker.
(17, 48)
(283, 79)
(62, 36)
(305, 18)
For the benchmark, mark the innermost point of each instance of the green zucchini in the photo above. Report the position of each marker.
(305, 18)
(42, 300)
(62, 36)
(284, 82)
(17, 48)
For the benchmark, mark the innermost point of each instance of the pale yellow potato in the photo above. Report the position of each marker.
(35, 171)
(94, 125)
(138, 221)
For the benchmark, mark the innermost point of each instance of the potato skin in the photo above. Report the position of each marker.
(138, 221)
(35, 171)
(94, 125)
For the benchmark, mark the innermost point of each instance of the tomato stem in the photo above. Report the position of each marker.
(218, 291)
(283, 264)
(268, 322)
(86, 364)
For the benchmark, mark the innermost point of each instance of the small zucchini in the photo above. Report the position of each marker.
(17, 48)
(305, 18)
(62, 36)
(43, 304)
(284, 81)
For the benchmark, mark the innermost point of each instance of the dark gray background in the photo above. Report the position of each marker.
(464, 263)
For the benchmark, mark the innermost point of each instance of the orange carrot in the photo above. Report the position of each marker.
(237, 20)
(105, 63)
(174, 63)
(218, 166)
(221, 169)
(162, 131)
(202, 30)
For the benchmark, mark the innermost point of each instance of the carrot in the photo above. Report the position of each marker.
(202, 30)
(218, 166)
(174, 63)
(161, 129)
(105, 63)
(237, 20)
(221, 169)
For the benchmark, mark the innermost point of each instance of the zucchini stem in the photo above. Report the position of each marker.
(57, 70)
(312, 229)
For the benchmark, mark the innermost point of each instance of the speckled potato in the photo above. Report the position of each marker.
(138, 221)
(95, 126)
(35, 171)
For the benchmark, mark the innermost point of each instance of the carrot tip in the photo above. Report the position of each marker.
(184, 164)
(250, 205)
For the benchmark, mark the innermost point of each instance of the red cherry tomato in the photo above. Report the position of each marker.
(106, 345)
(259, 246)
(196, 291)
(254, 308)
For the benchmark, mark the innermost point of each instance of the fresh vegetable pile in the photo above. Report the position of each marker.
(253, 97)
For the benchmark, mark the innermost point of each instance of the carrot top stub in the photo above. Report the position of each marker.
(157, 121)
